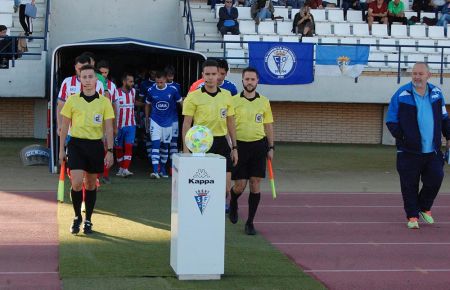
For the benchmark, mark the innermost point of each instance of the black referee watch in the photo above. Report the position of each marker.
(272, 147)
(109, 150)
(234, 147)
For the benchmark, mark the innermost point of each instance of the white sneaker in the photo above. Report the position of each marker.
(126, 173)
(154, 175)
(120, 172)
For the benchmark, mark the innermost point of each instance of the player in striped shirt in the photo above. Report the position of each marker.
(162, 99)
(71, 86)
(103, 67)
(126, 124)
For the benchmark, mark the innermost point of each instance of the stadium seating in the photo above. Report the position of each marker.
(284, 27)
(228, 37)
(417, 31)
(266, 27)
(398, 31)
(342, 29)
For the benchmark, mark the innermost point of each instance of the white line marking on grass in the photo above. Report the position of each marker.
(362, 244)
(377, 270)
(350, 193)
(340, 206)
(28, 273)
(335, 222)
(29, 244)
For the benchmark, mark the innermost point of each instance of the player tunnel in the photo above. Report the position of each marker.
(123, 55)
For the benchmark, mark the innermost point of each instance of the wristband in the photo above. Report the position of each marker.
(109, 150)
(234, 147)
(272, 147)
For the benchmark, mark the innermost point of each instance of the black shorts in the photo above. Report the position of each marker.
(252, 159)
(87, 155)
(220, 146)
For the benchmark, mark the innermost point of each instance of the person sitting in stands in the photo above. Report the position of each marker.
(5, 47)
(262, 9)
(228, 19)
(303, 21)
(396, 12)
(377, 12)
(445, 18)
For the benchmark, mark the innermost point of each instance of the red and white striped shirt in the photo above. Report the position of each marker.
(125, 106)
(72, 85)
(112, 89)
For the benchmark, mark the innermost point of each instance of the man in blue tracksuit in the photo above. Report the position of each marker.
(416, 117)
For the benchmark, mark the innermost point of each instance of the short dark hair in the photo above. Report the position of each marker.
(250, 69)
(223, 64)
(82, 59)
(209, 62)
(103, 64)
(169, 70)
(160, 74)
(89, 54)
(126, 74)
(87, 67)
(3, 27)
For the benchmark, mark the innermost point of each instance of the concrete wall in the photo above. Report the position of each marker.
(150, 20)
(369, 89)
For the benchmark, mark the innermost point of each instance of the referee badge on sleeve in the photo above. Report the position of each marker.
(259, 118)
(223, 113)
(98, 118)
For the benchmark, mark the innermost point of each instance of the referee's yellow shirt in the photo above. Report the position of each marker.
(250, 116)
(209, 111)
(87, 118)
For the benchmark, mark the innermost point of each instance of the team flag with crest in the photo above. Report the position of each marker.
(280, 63)
(334, 60)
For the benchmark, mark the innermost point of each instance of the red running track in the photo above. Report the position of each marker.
(28, 241)
(358, 240)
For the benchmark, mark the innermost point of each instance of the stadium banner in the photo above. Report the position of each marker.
(282, 63)
(348, 60)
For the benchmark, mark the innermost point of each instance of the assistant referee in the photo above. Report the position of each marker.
(254, 133)
(89, 114)
(211, 106)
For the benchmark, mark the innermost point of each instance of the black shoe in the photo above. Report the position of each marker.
(233, 213)
(250, 229)
(105, 180)
(75, 228)
(87, 228)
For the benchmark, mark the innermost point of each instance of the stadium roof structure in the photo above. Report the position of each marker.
(131, 51)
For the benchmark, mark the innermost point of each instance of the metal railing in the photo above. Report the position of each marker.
(399, 61)
(14, 53)
(187, 12)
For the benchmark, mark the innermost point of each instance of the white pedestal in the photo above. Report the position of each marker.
(197, 246)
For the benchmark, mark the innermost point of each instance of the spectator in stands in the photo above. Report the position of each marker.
(262, 9)
(5, 47)
(438, 6)
(25, 21)
(316, 4)
(228, 19)
(445, 18)
(304, 21)
(296, 4)
(422, 5)
(356, 5)
(377, 12)
(396, 12)
(213, 4)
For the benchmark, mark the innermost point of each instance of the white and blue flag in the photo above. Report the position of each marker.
(282, 63)
(334, 60)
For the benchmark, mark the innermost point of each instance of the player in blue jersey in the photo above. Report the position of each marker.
(170, 74)
(162, 98)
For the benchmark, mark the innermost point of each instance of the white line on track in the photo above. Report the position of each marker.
(377, 270)
(335, 222)
(27, 273)
(362, 244)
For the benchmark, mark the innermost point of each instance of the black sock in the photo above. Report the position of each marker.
(77, 199)
(91, 197)
(234, 197)
(253, 201)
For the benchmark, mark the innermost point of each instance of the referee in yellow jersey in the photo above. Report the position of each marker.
(211, 106)
(89, 114)
(254, 133)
